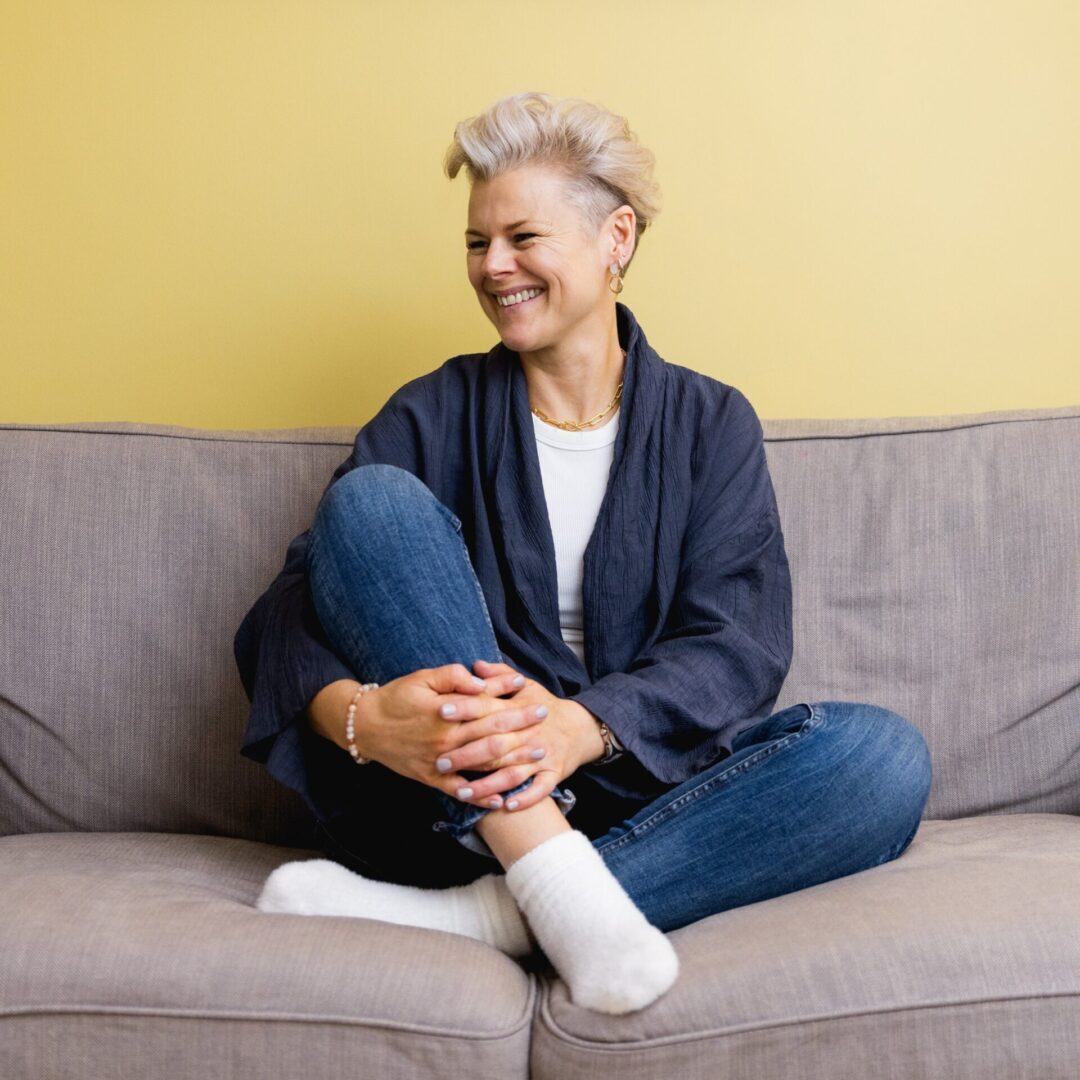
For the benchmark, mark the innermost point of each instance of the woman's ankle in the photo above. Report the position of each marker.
(513, 833)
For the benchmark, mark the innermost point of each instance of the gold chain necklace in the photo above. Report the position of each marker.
(571, 425)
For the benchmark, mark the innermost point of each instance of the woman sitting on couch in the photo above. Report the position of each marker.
(545, 607)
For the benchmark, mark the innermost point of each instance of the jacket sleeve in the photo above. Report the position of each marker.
(282, 652)
(725, 648)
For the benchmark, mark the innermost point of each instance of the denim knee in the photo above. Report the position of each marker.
(889, 756)
(910, 770)
(377, 477)
(370, 492)
(367, 485)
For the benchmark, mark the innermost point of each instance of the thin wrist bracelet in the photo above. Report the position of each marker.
(350, 724)
(612, 748)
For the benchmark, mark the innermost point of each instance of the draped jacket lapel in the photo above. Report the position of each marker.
(619, 562)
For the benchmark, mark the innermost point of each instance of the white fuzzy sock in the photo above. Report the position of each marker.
(484, 909)
(610, 956)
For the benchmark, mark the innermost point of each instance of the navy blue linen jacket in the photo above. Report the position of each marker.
(686, 589)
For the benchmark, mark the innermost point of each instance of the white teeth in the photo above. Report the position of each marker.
(517, 298)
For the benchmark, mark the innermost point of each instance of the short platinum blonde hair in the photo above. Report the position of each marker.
(604, 163)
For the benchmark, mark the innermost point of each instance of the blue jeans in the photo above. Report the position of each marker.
(813, 792)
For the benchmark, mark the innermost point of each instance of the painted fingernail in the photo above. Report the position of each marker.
(444, 764)
(479, 681)
(494, 803)
(541, 711)
(447, 710)
(464, 793)
(513, 804)
(518, 680)
(537, 754)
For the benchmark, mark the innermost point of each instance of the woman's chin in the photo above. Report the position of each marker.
(521, 333)
(517, 342)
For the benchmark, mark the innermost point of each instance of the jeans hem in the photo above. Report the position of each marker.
(460, 830)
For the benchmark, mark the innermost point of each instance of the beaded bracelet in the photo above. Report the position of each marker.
(350, 724)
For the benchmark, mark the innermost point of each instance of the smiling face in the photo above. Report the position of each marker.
(525, 237)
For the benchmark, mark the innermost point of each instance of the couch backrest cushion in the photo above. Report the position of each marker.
(131, 553)
(936, 567)
(934, 562)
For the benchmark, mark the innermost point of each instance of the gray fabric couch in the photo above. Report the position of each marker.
(936, 572)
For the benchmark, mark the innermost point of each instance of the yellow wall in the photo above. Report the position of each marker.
(231, 213)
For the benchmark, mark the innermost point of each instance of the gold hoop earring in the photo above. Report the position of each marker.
(615, 282)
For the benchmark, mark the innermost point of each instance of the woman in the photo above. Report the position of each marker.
(559, 562)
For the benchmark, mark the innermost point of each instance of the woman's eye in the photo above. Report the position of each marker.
(476, 245)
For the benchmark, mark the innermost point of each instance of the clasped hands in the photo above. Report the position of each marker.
(435, 723)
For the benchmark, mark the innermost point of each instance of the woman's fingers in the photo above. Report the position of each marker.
(479, 717)
(457, 679)
(500, 674)
(485, 668)
(542, 786)
(461, 695)
(483, 788)
(492, 752)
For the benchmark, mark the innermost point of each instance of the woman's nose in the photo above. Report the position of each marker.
(499, 259)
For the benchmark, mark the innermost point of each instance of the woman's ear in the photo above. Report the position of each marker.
(622, 227)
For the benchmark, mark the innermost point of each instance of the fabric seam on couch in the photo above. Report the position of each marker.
(627, 1046)
(226, 435)
(775, 427)
(928, 427)
(525, 1023)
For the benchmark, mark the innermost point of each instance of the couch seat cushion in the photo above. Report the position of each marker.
(145, 949)
(960, 960)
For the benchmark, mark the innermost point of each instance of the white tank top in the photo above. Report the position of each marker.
(574, 466)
